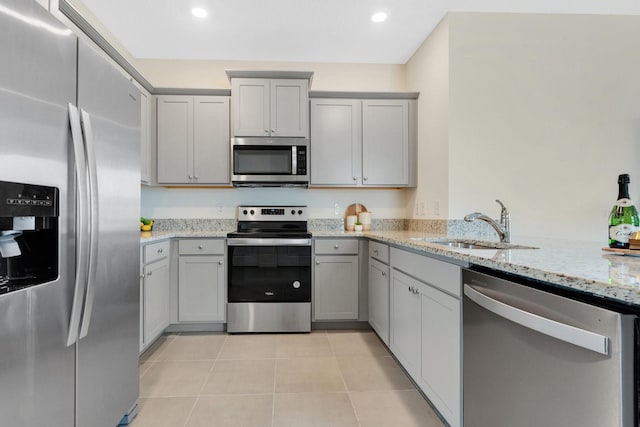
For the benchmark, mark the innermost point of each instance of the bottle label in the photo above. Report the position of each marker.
(622, 232)
(623, 203)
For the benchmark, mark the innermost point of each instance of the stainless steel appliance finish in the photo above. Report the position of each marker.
(532, 358)
(69, 120)
(269, 271)
(272, 162)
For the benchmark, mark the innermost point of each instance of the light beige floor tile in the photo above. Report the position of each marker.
(156, 348)
(308, 375)
(356, 344)
(314, 410)
(249, 347)
(241, 377)
(174, 378)
(232, 411)
(373, 373)
(193, 347)
(144, 367)
(163, 411)
(393, 408)
(302, 345)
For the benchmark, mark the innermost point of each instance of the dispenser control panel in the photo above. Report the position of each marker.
(18, 199)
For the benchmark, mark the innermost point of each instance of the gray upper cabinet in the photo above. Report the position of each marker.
(362, 143)
(193, 140)
(385, 142)
(270, 107)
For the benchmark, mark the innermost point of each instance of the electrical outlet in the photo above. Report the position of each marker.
(219, 209)
(422, 209)
(436, 208)
(416, 212)
(336, 209)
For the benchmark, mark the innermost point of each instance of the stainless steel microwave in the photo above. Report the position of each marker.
(270, 162)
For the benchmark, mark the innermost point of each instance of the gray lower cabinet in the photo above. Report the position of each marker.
(155, 292)
(201, 280)
(379, 289)
(426, 327)
(336, 279)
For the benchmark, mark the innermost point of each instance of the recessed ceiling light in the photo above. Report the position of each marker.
(379, 17)
(199, 12)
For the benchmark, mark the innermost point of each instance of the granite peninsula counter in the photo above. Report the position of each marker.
(573, 265)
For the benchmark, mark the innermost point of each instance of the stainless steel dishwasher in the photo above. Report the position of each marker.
(532, 358)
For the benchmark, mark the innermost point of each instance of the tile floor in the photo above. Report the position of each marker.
(326, 378)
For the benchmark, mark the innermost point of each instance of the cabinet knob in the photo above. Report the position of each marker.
(219, 262)
(160, 250)
(200, 247)
(190, 177)
(150, 273)
(375, 251)
(336, 247)
(317, 262)
(273, 131)
(142, 276)
(355, 178)
(384, 273)
(365, 178)
(195, 177)
(266, 131)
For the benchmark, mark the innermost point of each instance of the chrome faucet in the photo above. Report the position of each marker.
(503, 228)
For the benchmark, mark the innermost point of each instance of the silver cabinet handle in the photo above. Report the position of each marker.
(567, 333)
(355, 178)
(336, 247)
(190, 177)
(365, 178)
(219, 262)
(273, 131)
(266, 131)
(150, 273)
(200, 247)
(317, 262)
(375, 251)
(160, 250)
(384, 273)
(195, 177)
(142, 276)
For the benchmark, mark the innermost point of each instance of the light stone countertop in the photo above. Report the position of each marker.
(577, 265)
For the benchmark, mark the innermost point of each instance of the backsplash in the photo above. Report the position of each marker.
(194, 224)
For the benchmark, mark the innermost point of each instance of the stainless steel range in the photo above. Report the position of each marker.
(269, 270)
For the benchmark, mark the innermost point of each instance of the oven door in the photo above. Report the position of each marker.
(269, 270)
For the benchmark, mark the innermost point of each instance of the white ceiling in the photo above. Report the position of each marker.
(303, 30)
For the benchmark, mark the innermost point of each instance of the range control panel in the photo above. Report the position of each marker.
(272, 213)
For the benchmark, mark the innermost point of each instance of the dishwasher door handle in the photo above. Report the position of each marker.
(567, 333)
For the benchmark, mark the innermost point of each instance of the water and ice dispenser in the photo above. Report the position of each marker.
(29, 217)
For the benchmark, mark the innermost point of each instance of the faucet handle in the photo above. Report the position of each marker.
(504, 213)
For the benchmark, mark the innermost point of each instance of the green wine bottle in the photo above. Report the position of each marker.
(623, 220)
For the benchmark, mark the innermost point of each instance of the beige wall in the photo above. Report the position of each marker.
(544, 114)
(327, 76)
(428, 73)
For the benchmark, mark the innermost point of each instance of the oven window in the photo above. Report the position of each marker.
(269, 274)
(253, 160)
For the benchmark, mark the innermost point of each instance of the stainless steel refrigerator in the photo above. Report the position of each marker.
(70, 122)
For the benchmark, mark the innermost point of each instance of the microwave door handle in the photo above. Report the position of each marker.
(294, 160)
(81, 223)
(561, 331)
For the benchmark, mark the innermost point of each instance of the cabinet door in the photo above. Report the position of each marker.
(156, 299)
(211, 140)
(201, 289)
(145, 135)
(441, 334)
(289, 108)
(250, 104)
(175, 136)
(405, 321)
(141, 325)
(385, 142)
(336, 142)
(335, 295)
(379, 298)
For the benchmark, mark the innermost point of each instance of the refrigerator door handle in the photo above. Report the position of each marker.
(567, 333)
(82, 230)
(93, 225)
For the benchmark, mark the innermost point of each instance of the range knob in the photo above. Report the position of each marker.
(244, 212)
(252, 212)
(293, 211)
(300, 212)
(296, 284)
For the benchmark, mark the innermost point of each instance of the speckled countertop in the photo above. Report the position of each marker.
(577, 265)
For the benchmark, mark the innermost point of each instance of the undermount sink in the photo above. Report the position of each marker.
(472, 244)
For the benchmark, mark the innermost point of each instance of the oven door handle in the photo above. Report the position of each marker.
(267, 242)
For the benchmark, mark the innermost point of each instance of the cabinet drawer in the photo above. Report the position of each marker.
(155, 251)
(336, 246)
(439, 274)
(201, 247)
(379, 251)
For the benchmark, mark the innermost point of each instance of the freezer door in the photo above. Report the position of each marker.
(37, 81)
(108, 354)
